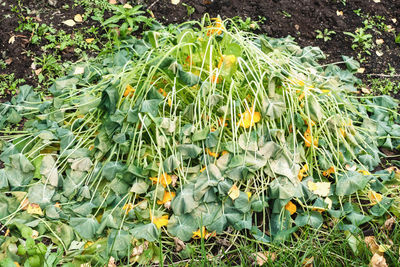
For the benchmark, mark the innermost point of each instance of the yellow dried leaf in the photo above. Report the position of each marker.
(320, 188)
(371, 244)
(89, 40)
(234, 192)
(69, 22)
(34, 209)
(179, 244)
(78, 18)
(374, 197)
(378, 261)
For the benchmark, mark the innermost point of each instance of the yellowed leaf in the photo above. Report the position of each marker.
(379, 41)
(11, 40)
(127, 6)
(361, 70)
(264, 257)
(111, 262)
(38, 71)
(378, 261)
(34, 209)
(89, 40)
(69, 22)
(371, 244)
(78, 18)
(234, 192)
(308, 262)
(320, 188)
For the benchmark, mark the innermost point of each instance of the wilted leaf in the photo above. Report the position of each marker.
(378, 260)
(69, 22)
(78, 18)
(264, 257)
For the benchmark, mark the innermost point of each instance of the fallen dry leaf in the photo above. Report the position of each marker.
(8, 61)
(234, 192)
(263, 257)
(111, 262)
(78, 18)
(388, 225)
(372, 245)
(34, 209)
(112, 2)
(378, 261)
(69, 22)
(179, 244)
(379, 41)
(365, 90)
(35, 234)
(339, 13)
(127, 6)
(175, 2)
(377, 1)
(38, 71)
(89, 40)
(361, 70)
(137, 251)
(394, 20)
(174, 180)
(379, 53)
(11, 40)
(308, 262)
(79, 70)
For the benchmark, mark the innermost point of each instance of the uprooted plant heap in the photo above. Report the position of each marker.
(186, 132)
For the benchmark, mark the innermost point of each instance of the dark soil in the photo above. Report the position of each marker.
(302, 19)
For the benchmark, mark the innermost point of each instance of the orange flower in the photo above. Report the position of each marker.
(164, 179)
(221, 121)
(291, 207)
(302, 172)
(212, 154)
(309, 139)
(329, 171)
(249, 118)
(216, 28)
(168, 196)
(129, 91)
(162, 92)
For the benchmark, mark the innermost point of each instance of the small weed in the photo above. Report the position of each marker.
(190, 9)
(127, 20)
(8, 84)
(248, 24)
(381, 86)
(286, 14)
(362, 42)
(51, 68)
(325, 35)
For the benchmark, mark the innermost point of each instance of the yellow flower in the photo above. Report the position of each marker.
(164, 179)
(203, 233)
(128, 207)
(249, 118)
(248, 195)
(291, 207)
(302, 172)
(168, 196)
(160, 221)
(374, 197)
(364, 172)
(329, 171)
(129, 91)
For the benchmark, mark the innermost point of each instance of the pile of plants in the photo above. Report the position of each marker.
(191, 132)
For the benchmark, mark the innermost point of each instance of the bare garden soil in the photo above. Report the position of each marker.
(298, 18)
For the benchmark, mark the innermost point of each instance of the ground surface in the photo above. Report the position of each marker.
(299, 19)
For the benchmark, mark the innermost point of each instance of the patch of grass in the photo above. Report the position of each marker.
(384, 86)
(9, 84)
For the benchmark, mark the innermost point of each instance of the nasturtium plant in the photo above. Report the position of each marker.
(192, 128)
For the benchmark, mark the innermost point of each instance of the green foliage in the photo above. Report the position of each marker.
(325, 35)
(8, 84)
